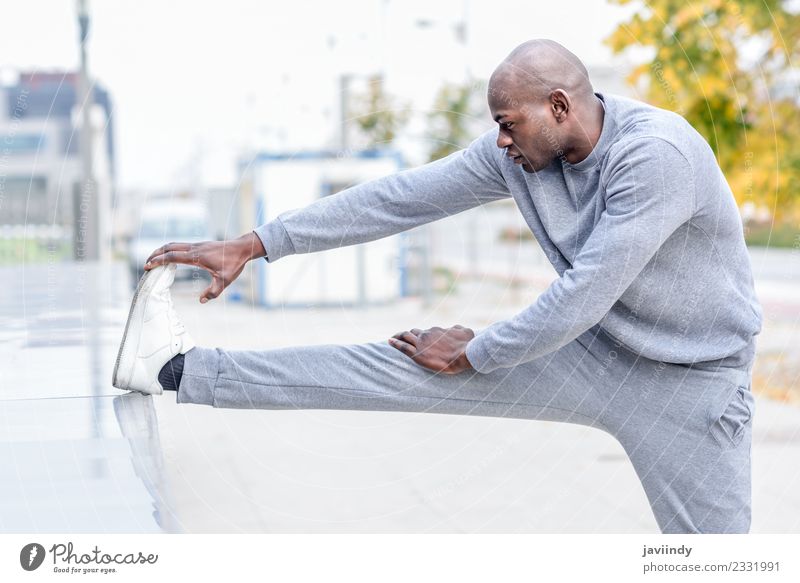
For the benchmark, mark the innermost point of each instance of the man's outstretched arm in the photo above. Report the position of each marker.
(391, 204)
(366, 212)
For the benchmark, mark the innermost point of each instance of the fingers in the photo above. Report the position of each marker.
(403, 347)
(407, 337)
(212, 291)
(168, 247)
(185, 257)
(416, 332)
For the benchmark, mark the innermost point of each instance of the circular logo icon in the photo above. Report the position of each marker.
(31, 556)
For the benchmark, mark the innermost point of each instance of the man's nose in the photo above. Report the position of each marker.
(503, 140)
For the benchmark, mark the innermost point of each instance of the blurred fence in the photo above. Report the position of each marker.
(490, 242)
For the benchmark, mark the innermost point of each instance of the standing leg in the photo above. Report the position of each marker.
(699, 482)
(688, 433)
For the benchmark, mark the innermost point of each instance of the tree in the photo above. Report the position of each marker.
(727, 68)
(454, 108)
(380, 119)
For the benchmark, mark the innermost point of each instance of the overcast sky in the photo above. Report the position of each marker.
(193, 82)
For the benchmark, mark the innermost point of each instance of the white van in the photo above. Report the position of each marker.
(167, 221)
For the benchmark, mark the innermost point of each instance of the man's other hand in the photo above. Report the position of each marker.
(439, 349)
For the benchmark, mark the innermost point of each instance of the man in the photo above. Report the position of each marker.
(648, 334)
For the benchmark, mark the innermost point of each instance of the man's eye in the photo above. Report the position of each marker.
(508, 125)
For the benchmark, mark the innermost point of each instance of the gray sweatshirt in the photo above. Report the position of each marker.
(644, 233)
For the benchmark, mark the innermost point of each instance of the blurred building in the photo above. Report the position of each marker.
(369, 273)
(224, 213)
(40, 164)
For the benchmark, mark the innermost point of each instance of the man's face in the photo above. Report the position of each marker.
(528, 131)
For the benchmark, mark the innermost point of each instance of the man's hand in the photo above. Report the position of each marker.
(224, 260)
(436, 348)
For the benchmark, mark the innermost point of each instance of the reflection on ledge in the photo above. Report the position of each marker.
(83, 464)
(137, 419)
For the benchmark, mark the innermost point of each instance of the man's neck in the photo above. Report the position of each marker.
(590, 128)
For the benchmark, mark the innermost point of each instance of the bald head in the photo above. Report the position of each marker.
(545, 104)
(537, 67)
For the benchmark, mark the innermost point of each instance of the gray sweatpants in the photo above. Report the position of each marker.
(686, 429)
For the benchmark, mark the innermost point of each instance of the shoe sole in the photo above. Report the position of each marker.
(136, 308)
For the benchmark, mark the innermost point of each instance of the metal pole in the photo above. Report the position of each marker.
(87, 228)
(473, 224)
(361, 280)
(87, 246)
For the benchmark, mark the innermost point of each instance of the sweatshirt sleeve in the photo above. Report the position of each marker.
(649, 192)
(385, 206)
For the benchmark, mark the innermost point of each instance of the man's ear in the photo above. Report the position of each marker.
(560, 104)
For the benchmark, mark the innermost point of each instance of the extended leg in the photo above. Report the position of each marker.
(377, 377)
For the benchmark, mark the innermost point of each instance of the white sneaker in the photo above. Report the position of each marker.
(153, 334)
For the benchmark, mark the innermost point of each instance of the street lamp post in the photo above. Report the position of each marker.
(87, 227)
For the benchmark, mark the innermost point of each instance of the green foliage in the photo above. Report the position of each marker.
(376, 116)
(784, 233)
(19, 249)
(726, 67)
(453, 110)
